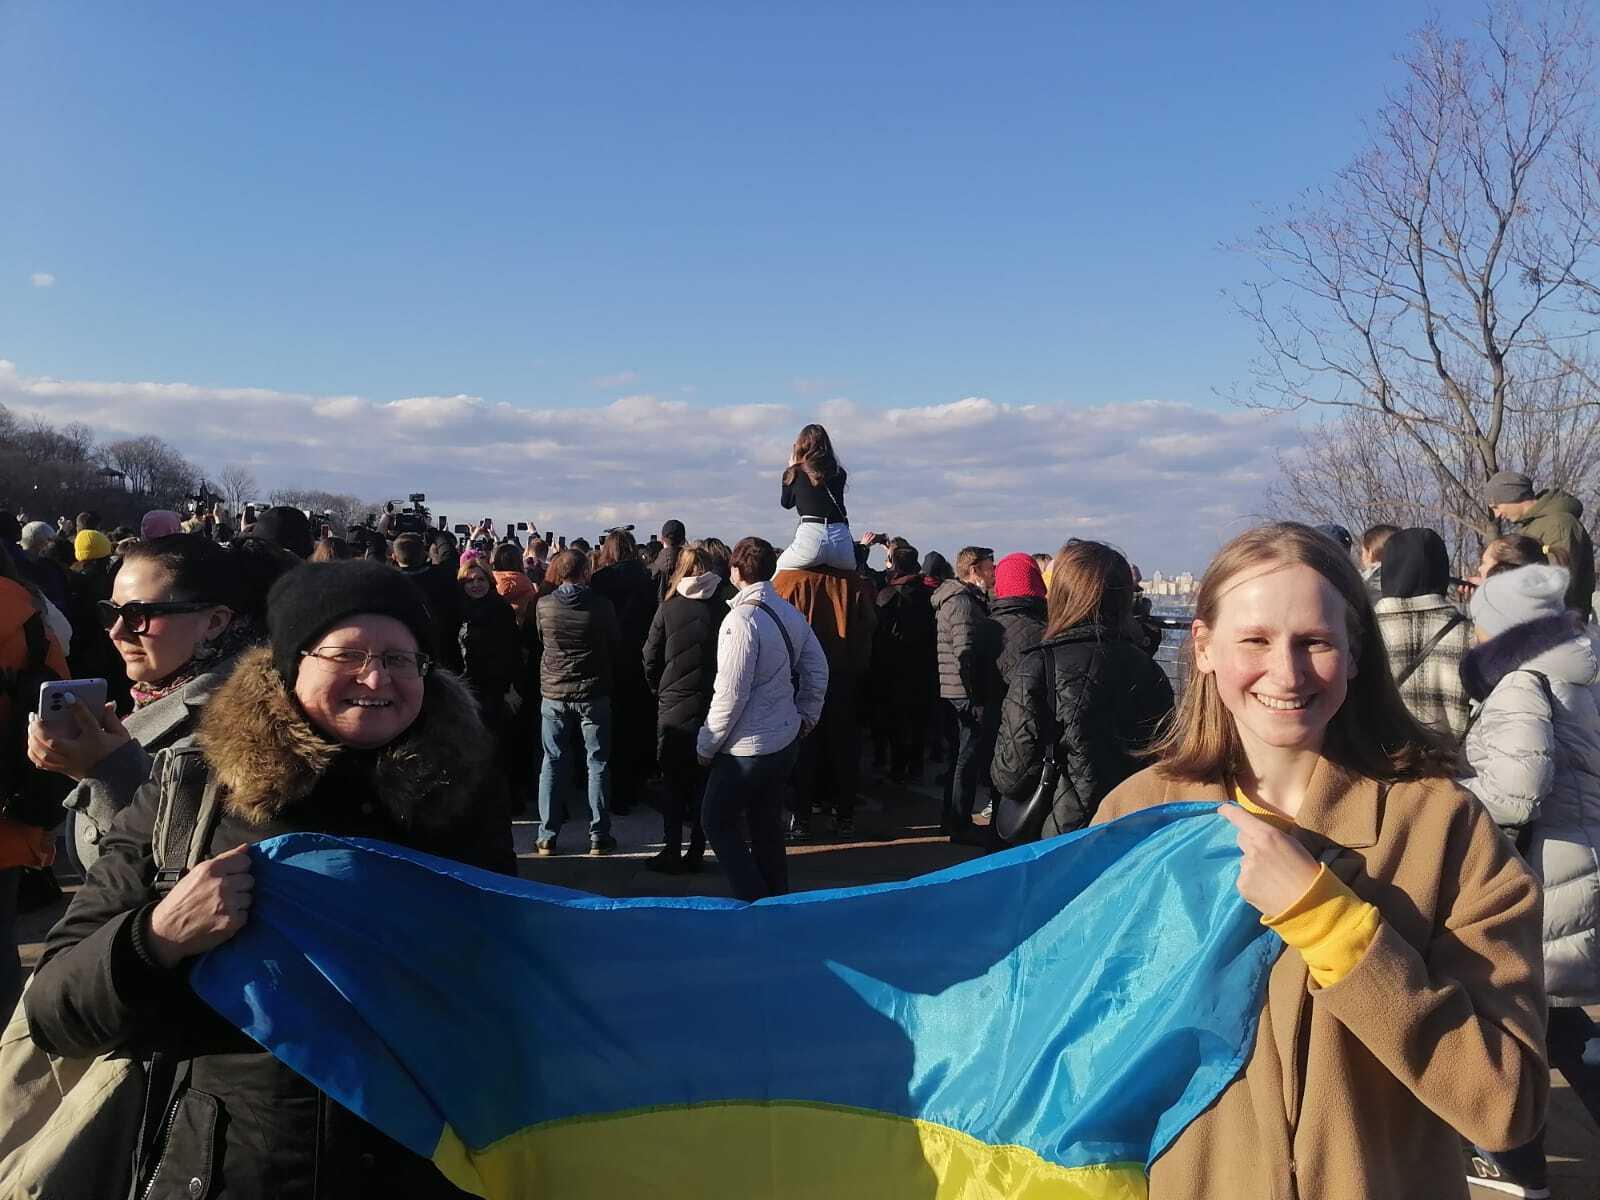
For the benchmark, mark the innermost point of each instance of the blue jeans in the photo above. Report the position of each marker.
(748, 789)
(564, 724)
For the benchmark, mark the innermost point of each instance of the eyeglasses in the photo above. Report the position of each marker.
(350, 661)
(135, 614)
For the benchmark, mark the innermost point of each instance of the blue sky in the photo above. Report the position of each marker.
(709, 205)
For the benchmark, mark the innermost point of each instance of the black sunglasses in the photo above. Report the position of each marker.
(136, 614)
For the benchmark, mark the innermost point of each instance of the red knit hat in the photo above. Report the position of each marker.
(1018, 575)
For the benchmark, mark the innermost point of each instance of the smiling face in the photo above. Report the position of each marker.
(1279, 651)
(168, 642)
(476, 583)
(366, 709)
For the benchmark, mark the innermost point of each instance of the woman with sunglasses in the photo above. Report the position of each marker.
(340, 725)
(173, 619)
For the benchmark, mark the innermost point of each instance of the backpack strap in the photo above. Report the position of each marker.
(186, 817)
(788, 646)
(1433, 644)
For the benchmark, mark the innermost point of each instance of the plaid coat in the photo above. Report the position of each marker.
(1434, 693)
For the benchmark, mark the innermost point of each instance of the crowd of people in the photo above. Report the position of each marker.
(1413, 762)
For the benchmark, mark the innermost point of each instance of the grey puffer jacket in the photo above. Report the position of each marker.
(1533, 759)
(968, 640)
(109, 787)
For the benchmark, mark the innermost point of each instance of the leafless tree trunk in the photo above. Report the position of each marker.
(1438, 292)
(238, 486)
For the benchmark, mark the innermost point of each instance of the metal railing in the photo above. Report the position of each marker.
(1169, 655)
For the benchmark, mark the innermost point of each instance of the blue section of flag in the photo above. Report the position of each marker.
(1084, 997)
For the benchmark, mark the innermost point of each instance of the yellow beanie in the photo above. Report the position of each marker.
(90, 545)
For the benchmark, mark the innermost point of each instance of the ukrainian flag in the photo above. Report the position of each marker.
(1040, 1023)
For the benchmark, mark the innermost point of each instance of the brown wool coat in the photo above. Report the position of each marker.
(1357, 1091)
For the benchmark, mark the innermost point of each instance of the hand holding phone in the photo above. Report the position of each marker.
(74, 729)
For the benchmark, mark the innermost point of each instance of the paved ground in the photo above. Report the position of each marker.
(896, 838)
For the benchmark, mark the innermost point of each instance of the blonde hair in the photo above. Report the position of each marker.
(475, 566)
(1373, 733)
(693, 559)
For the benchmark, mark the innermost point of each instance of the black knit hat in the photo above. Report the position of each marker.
(288, 527)
(310, 599)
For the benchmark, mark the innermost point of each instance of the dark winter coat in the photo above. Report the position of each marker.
(904, 646)
(680, 655)
(1110, 700)
(491, 647)
(443, 595)
(634, 593)
(578, 639)
(236, 1120)
(969, 642)
(92, 655)
(1021, 620)
(1556, 523)
(661, 570)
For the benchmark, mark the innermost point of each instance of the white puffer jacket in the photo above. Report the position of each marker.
(1533, 757)
(755, 708)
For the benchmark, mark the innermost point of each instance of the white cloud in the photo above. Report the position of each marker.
(1166, 481)
(610, 383)
(42, 279)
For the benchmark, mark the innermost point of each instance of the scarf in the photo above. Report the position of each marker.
(240, 633)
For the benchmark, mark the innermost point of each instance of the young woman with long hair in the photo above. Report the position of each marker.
(680, 666)
(813, 485)
(1410, 1002)
(1101, 696)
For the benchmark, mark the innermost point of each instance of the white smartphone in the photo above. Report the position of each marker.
(55, 714)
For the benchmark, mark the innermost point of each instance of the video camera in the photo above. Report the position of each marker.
(416, 519)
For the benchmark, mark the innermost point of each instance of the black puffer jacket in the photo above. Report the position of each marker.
(680, 655)
(969, 642)
(238, 1124)
(1110, 700)
(1021, 620)
(577, 634)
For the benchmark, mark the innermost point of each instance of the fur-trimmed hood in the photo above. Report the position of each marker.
(268, 757)
(1559, 646)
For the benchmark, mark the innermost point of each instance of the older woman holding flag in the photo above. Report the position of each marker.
(340, 726)
(1409, 1003)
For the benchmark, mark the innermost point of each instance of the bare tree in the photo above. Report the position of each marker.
(238, 486)
(1436, 291)
(345, 510)
(153, 469)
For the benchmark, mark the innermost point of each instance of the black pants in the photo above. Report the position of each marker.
(685, 781)
(829, 768)
(975, 731)
(908, 735)
(633, 717)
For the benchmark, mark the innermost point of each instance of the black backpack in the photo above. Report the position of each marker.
(28, 794)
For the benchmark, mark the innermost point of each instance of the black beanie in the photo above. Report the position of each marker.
(307, 601)
(288, 527)
(1415, 563)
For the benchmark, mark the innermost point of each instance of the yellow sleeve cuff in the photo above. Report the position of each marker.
(1330, 926)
